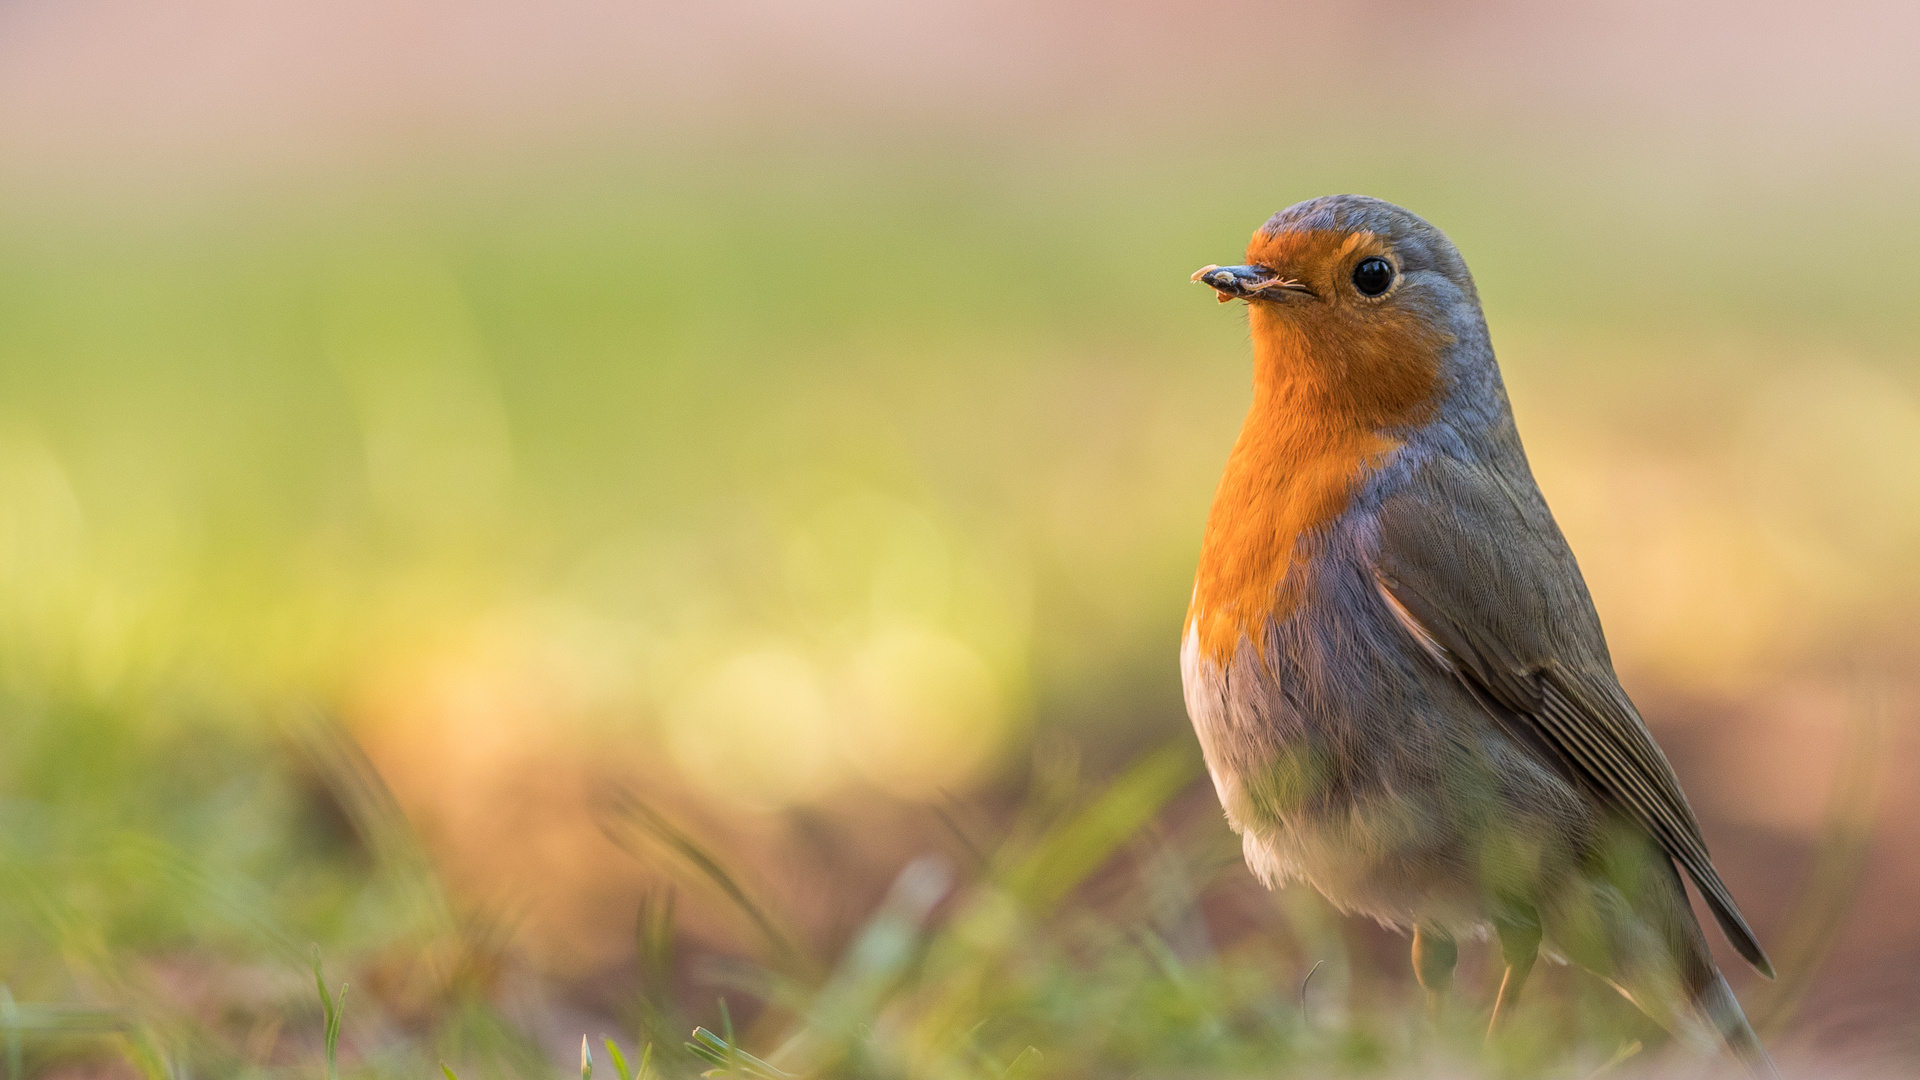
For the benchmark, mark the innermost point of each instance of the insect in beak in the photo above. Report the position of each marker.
(1247, 282)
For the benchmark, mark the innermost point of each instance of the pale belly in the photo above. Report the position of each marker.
(1347, 760)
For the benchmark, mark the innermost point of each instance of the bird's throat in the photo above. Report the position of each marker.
(1309, 440)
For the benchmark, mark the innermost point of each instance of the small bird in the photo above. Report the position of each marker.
(1398, 680)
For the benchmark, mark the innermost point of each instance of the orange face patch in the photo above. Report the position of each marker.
(1331, 376)
(1311, 249)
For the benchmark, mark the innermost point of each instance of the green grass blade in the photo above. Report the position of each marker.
(145, 1055)
(627, 808)
(619, 1060)
(1061, 861)
(726, 1026)
(332, 1013)
(320, 983)
(333, 1034)
(704, 1046)
(729, 1058)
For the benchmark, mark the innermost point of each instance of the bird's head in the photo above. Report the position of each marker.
(1360, 301)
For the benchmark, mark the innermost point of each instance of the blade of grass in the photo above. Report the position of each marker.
(627, 808)
(372, 808)
(653, 937)
(619, 1060)
(870, 968)
(1022, 1064)
(728, 1058)
(145, 1055)
(332, 1014)
(1067, 855)
(1620, 1055)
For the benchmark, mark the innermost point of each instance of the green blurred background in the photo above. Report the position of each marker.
(797, 413)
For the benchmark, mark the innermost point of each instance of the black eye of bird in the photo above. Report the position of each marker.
(1372, 276)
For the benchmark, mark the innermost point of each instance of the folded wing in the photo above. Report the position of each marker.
(1474, 566)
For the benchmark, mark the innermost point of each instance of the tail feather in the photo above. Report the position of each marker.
(1723, 1012)
(1732, 923)
(1636, 930)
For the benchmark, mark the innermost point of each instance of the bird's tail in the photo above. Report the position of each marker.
(1640, 934)
(1721, 1010)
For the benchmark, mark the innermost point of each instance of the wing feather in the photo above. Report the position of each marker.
(1483, 579)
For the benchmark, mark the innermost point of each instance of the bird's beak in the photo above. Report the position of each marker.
(1247, 283)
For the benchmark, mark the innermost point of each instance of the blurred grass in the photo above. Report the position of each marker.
(773, 480)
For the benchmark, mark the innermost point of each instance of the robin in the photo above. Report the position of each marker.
(1398, 680)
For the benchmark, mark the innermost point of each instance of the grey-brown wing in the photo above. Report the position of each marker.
(1476, 566)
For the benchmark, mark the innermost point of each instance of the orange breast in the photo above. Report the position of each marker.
(1324, 393)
